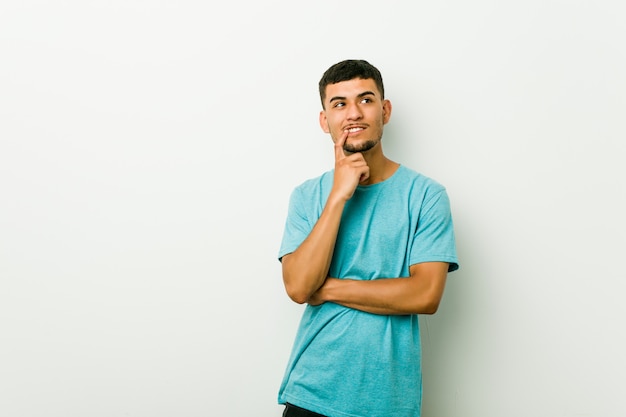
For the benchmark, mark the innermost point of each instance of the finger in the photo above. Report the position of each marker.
(365, 175)
(339, 154)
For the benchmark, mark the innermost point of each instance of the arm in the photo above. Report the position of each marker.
(420, 293)
(305, 269)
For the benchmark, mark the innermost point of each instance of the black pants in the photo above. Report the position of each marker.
(294, 411)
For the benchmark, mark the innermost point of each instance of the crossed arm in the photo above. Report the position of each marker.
(420, 293)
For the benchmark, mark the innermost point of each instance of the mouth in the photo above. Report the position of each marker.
(354, 129)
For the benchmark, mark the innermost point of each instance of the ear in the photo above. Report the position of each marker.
(324, 122)
(386, 111)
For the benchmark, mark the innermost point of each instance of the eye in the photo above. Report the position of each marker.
(366, 100)
(339, 104)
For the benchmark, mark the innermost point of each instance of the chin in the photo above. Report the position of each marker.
(360, 147)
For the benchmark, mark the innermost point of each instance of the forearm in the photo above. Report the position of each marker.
(418, 294)
(306, 269)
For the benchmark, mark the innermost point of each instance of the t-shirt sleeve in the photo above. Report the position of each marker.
(434, 239)
(297, 225)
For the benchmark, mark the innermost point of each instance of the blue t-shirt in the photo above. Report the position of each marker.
(347, 362)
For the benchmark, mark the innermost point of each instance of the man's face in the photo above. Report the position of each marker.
(357, 106)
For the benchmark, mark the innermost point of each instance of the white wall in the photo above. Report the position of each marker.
(148, 149)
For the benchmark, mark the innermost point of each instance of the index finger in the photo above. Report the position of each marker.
(339, 145)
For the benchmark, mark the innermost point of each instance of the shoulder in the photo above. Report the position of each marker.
(419, 183)
(315, 185)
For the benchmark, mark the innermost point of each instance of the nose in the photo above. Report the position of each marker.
(354, 112)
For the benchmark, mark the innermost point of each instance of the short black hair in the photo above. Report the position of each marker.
(348, 70)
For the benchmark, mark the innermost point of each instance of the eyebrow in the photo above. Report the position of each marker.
(363, 94)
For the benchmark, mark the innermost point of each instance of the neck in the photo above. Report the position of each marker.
(380, 166)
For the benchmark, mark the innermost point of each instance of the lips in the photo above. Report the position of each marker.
(354, 129)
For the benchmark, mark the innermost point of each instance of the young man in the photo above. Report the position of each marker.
(367, 246)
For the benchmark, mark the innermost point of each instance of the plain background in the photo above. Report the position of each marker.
(148, 150)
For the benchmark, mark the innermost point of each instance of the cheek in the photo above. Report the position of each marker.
(333, 126)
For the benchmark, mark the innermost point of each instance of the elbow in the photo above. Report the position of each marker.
(297, 295)
(299, 286)
(429, 306)
(430, 309)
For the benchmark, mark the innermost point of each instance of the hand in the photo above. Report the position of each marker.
(322, 295)
(349, 170)
(317, 298)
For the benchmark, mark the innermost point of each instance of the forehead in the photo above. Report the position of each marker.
(351, 88)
